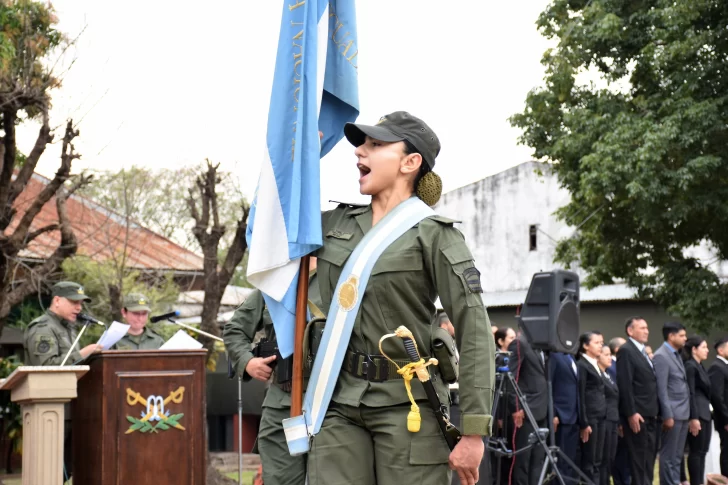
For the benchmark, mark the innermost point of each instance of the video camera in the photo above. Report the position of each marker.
(501, 360)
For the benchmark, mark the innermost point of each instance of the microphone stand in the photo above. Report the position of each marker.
(209, 335)
(86, 323)
(231, 374)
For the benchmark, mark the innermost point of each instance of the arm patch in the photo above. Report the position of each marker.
(472, 279)
(43, 344)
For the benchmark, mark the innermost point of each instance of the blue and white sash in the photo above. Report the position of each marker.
(340, 321)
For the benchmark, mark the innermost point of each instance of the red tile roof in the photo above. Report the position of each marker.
(101, 233)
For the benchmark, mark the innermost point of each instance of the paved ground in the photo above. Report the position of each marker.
(227, 463)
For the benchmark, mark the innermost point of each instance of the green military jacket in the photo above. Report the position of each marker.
(48, 339)
(239, 334)
(147, 340)
(428, 260)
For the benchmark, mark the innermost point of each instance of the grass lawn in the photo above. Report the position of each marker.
(248, 477)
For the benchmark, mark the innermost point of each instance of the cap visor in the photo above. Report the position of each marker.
(78, 298)
(356, 134)
(139, 308)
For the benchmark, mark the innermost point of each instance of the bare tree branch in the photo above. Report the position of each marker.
(68, 154)
(9, 117)
(44, 138)
(237, 248)
(42, 230)
(66, 248)
(204, 203)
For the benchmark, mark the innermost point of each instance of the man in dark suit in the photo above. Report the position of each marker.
(638, 403)
(565, 391)
(620, 470)
(718, 373)
(527, 366)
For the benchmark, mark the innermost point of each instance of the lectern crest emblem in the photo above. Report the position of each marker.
(155, 412)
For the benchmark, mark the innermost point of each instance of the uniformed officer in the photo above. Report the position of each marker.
(49, 337)
(136, 314)
(364, 436)
(279, 467)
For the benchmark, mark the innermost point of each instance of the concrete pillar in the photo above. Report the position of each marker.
(42, 393)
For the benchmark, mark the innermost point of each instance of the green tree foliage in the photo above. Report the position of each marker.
(27, 38)
(157, 199)
(642, 149)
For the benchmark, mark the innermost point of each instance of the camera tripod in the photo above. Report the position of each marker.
(500, 446)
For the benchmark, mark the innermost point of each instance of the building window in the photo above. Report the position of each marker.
(532, 238)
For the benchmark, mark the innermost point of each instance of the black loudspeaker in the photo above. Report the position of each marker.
(550, 315)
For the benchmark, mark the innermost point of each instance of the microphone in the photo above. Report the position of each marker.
(88, 319)
(165, 316)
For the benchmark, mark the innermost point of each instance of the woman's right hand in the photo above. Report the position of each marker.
(585, 434)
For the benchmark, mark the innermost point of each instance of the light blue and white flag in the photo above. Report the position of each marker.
(315, 88)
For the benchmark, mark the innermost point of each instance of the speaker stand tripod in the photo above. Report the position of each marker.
(538, 438)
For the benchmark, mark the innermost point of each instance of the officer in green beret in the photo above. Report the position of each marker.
(279, 467)
(49, 337)
(136, 314)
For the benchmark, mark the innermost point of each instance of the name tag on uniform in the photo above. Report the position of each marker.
(336, 234)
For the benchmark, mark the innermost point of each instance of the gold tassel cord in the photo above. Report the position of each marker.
(414, 419)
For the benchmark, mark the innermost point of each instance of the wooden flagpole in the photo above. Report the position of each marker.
(301, 312)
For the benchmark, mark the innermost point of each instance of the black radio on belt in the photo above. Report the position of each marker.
(283, 367)
(265, 349)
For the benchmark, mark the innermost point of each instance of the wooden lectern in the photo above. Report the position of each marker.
(140, 418)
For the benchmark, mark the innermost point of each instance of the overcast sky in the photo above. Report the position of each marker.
(166, 83)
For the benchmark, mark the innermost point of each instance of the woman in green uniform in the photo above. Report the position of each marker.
(364, 437)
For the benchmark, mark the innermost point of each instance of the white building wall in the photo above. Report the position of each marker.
(496, 214)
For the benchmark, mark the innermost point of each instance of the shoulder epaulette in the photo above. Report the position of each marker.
(348, 204)
(444, 220)
(43, 319)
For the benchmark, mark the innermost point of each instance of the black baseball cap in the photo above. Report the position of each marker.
(69, 290)
(398, 126)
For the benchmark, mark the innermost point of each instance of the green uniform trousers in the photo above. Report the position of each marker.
(279, 467)
(371, 445)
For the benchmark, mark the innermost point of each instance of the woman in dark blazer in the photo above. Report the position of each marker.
(592, 404)
(611, 423)
(695, 352)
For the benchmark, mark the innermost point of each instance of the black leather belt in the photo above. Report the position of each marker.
(372, 368)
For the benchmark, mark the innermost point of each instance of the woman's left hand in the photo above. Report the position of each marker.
(465, 458)
(585, 433)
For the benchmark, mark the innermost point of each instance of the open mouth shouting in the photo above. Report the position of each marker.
(363, 171)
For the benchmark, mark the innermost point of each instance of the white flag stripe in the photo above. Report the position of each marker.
(269, 267)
